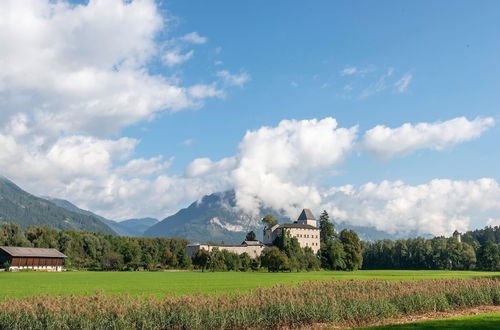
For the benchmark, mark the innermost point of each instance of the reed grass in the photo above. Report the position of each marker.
(345, 303)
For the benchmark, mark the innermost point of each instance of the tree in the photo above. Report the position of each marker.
(327, 229)
(216, 261)
(270, 220)
(183, 259)
(352, 248)
(168, 259)
(333, 255)
(251, 236)
(245, 262)
(274, 259)
(310, 260)
(488, 256)
(201, 258)
(111, 261)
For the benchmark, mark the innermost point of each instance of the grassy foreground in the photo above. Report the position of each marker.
(344, 303)
(163, 284)
(489, 321)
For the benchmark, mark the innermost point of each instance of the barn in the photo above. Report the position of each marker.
(39, 259)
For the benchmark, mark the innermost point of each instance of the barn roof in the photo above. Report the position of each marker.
(306, 214)
(17, 251)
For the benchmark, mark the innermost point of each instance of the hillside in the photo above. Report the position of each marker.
(216, 219)
(18, 206)
(130, 227)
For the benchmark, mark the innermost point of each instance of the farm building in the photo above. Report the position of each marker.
(31, 258)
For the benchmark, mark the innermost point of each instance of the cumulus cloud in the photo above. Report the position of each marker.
(385, 142)
(276, 165)
(71, 77)
(233, 79)
(83, 68)
(438, 207)
(402, 84)
(175, 57)
(194, 38)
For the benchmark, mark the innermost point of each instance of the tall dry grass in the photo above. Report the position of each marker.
(345, 303)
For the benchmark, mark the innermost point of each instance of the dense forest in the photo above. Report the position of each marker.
(86, 250)
(96, 251)
(479, 249)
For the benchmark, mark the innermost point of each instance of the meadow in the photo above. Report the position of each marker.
(160, 284)
(488, 321)
(345, 303)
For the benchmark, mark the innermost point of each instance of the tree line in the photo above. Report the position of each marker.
(86, 250)
(478, 249)
(341, 251)
(96, 251)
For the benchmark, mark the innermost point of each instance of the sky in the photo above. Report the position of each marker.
(385, 114)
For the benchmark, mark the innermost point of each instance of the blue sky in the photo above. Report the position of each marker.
(384, 113)
(450, 49)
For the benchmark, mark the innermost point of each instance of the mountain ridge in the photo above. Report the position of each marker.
(25, 209)
(131, 227)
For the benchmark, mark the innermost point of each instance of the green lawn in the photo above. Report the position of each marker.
(481, 321)
(170, 283)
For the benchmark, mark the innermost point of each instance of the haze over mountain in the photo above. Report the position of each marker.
(130, 227)
(215, 218)
(18, 206)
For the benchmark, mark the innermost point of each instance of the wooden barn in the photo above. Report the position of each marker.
(31, 258)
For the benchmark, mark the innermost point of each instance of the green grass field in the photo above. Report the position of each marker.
(174, 283)
(481, 321)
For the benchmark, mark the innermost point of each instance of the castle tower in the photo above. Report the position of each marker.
(457, 235)
(307, 218)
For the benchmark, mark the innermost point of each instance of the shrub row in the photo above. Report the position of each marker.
(346, 303)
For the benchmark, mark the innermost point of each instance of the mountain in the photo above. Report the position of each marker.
(130, 227)
(214, 218)
(18, 206)
(138, 226)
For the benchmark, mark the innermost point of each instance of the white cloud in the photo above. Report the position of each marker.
(350, 70)
(402, 84)
(378, 86)
(493, 222)
(204, 91)
(202, 166)
(385, 142)
(277, 165)
(194, 38)
(437, 207)
(73, 75)
(187, 142)
(234, 79)
(83, 68)
(175, 57)
(141, 167)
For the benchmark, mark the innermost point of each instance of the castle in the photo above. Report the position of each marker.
(304, 229)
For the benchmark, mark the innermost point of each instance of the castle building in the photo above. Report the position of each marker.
(457, 235)
(305, 229)
(252, 248)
